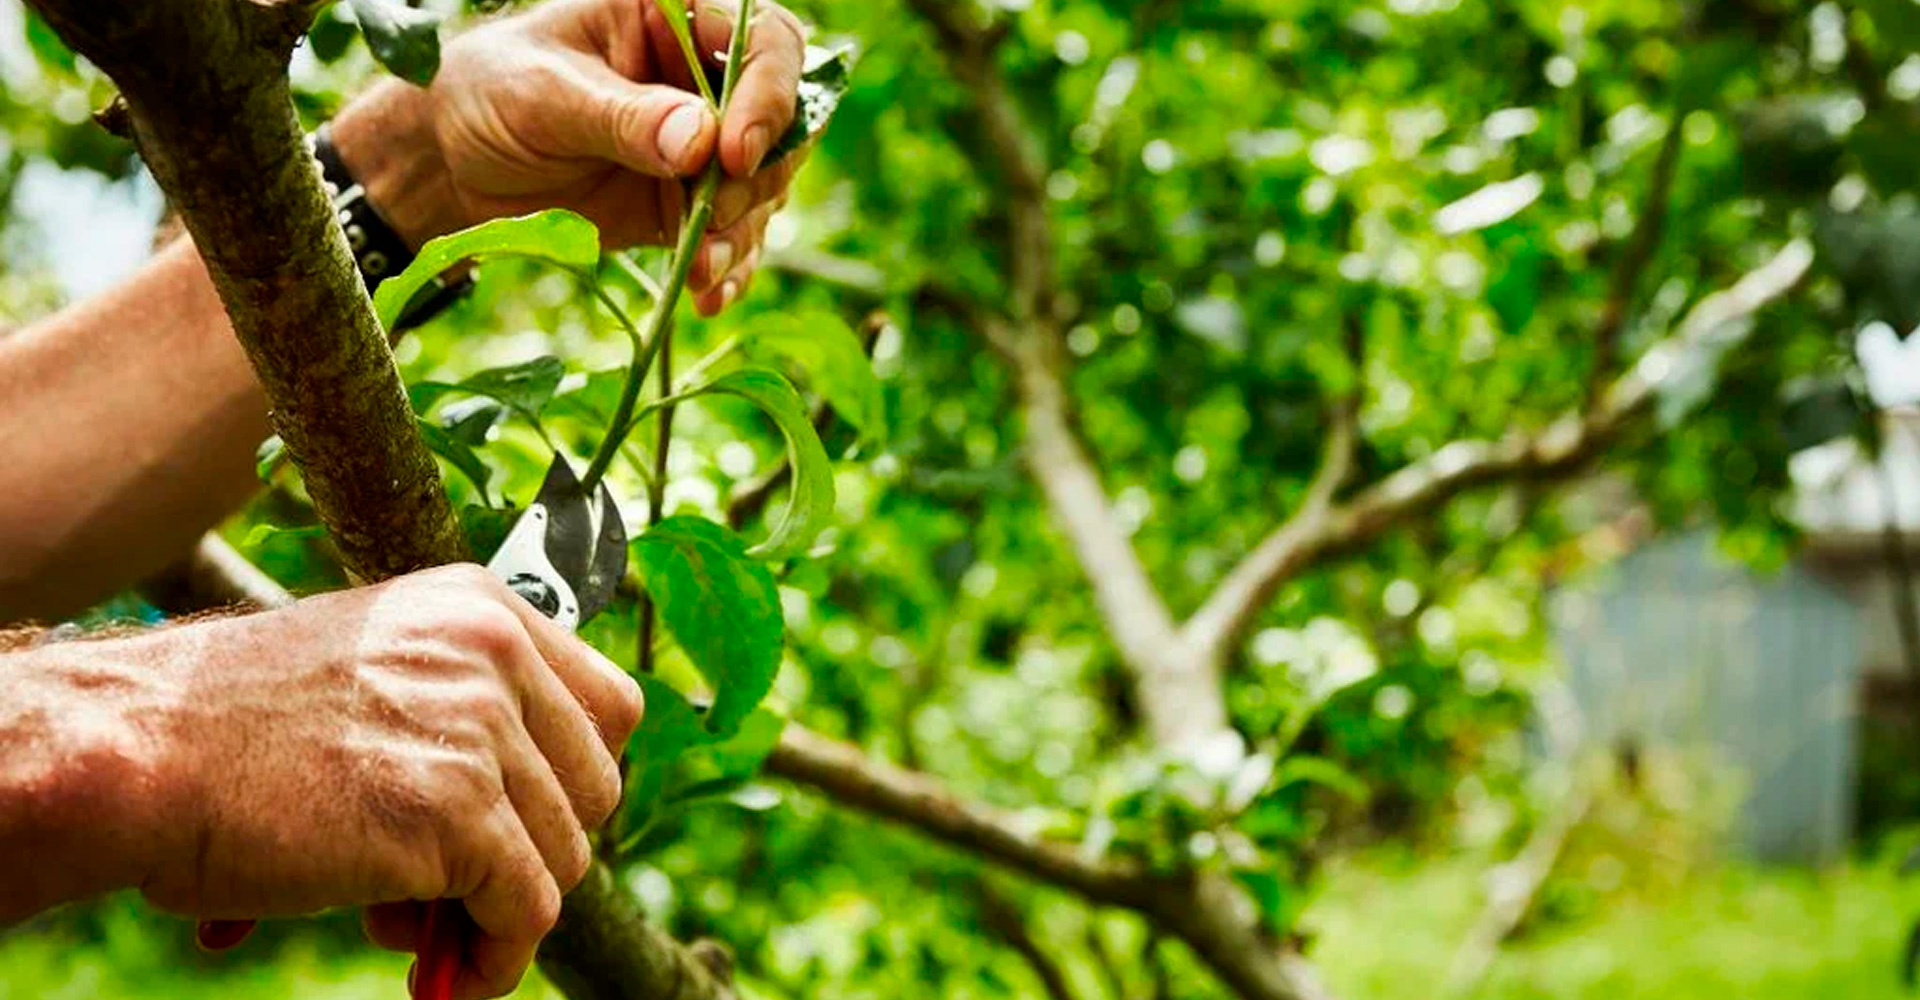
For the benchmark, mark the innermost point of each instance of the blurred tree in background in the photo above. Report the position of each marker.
(1236, 355)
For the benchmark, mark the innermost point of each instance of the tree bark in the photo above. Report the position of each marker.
(209, 108)
(208, 105)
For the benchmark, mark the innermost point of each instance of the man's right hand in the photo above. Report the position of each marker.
(431, 737)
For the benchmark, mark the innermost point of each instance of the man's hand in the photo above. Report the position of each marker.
(587, 105)
(432, 737)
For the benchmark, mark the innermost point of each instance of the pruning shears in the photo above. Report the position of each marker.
(565, 555)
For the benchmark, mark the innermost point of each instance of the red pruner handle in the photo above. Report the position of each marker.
(219, 935)
(442, 943)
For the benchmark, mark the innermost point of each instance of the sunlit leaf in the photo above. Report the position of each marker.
(823, 84)
(558, 237)
(721, 606)
(526, 387)
(820, 351)
(810, 505)
(267, 460)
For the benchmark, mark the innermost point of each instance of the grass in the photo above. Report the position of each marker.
(1389, 931)
(1384, 930)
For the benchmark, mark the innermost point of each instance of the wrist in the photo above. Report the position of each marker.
(87, 787)
(386, 140)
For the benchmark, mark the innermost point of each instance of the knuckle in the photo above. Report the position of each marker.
(489, 629)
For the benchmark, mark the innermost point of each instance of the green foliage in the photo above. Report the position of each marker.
(557, 237)
(404, 39)
(721, 606)
(821, 352)
(824, 80)
(1236, 192)
(810, 505)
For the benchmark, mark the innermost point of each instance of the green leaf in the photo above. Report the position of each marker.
(404, 40)
(669, 728)
(675, 14)
(486, 528)
(557, 236)
(818, 349)
(526, 387)
(824, 79)
(741, 755)
(267, 460)
(330, 36)
(47, 46)
(722, 608)
(457, 454)
(1322, 772)
(810, 506)
(471, 420)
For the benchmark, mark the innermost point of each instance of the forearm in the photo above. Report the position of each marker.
(79, 779)
(132, 421)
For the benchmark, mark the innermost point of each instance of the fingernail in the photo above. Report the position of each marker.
(678, 133)
(758, 138)
(729, 292)
(720, 257)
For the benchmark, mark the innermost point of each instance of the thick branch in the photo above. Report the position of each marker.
(219, 133)
(851, 778)
(1178, 703)
(1239, 599)
(1564, 449)
(205, 86)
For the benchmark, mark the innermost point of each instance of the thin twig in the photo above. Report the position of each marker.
(1641, 247)
(693, 230)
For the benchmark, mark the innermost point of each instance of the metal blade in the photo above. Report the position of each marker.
(568, 552)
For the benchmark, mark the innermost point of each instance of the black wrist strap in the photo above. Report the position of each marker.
(378, 250)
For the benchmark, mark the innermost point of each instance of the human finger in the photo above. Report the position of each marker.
(762, 106)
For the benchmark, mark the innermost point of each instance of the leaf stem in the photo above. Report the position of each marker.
(657, 500)
(693, 229)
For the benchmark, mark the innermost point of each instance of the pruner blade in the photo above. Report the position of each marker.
(567, 552)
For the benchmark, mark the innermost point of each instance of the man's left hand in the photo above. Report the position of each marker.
(587, 105)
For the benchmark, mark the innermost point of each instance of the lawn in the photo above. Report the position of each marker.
(1384, 930)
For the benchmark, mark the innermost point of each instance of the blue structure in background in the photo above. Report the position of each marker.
(1677, 646)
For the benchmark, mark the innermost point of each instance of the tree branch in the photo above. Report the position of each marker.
(1004, 920)
(851, 778)
(603, 948)
(219, 133)
(1178, 702)
(1564, 449)
(1641, 247)
(210, 110)
(1227, 615)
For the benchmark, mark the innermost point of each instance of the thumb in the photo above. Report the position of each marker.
(651, 129)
